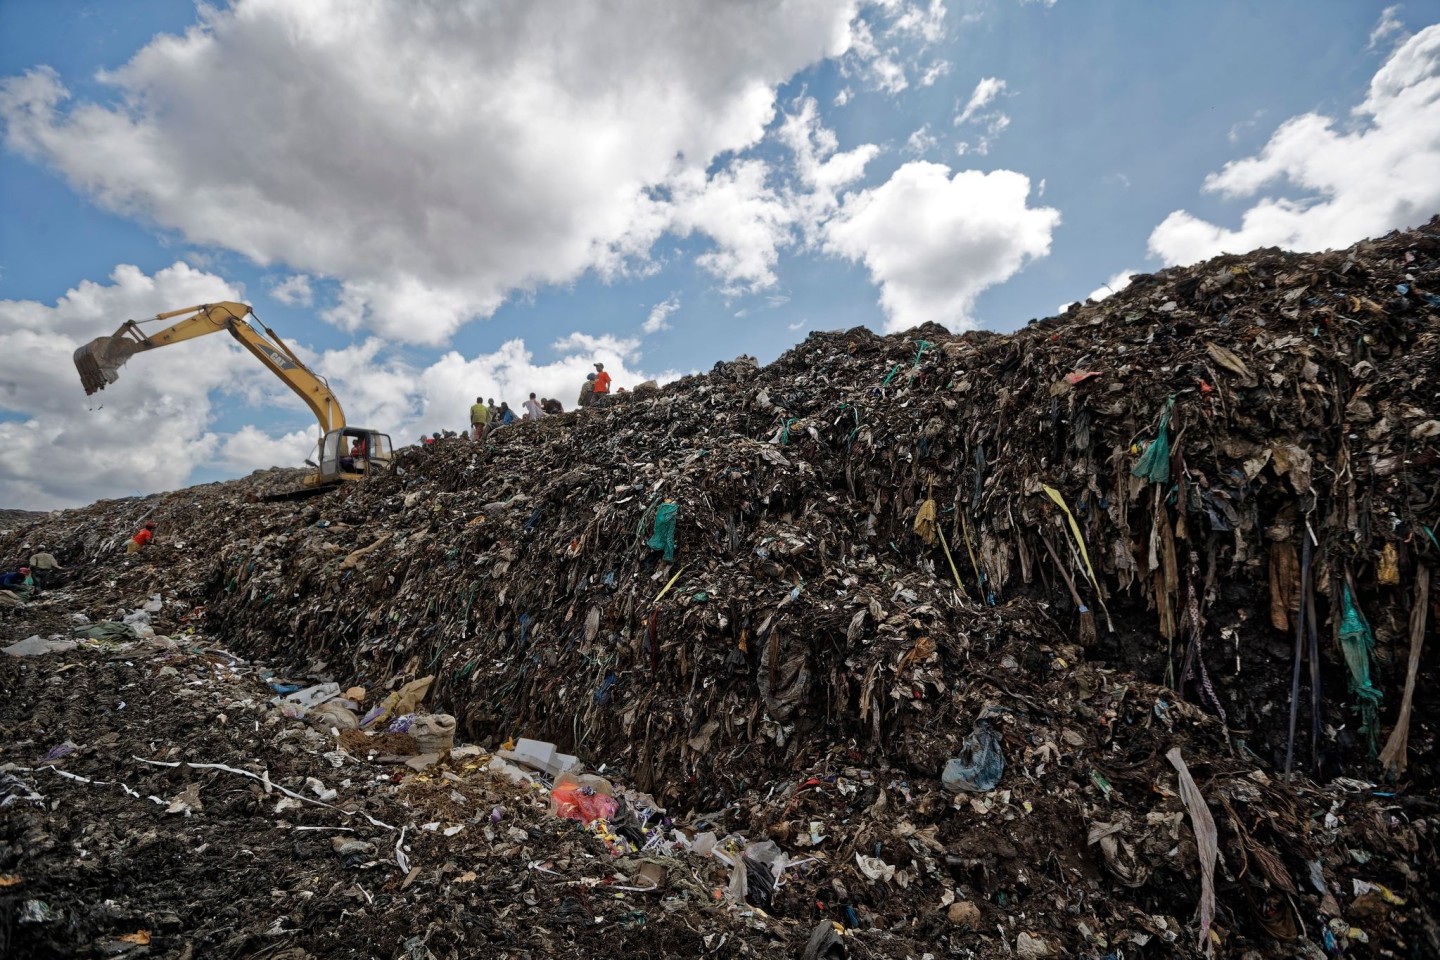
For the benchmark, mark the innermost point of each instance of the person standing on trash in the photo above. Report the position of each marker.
(533, 409)
(142, 539)
(587, 391)
(44, 568)
(479, 419)
(602, 382)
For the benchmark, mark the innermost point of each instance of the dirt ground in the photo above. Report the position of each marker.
(88, 837)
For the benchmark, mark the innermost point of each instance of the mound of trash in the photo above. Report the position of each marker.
(1103, 638)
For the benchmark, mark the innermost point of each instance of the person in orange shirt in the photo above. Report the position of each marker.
(602, 381)
(141, 539)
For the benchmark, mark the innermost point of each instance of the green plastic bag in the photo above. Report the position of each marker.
(1357, 642)
(663, 538)
(1154, 463)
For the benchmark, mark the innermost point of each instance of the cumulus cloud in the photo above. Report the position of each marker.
(443, 391)
(146, 432)
(659, 318)
(748, 221)
(435, 157)
(822, 169)
(933, 242)
(1377, 173)
(294, 291)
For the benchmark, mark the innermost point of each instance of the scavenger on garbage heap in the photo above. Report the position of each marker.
(507, 416)
(552, 407)
(44, 568)
(479, 419)
(602, 381)
(141, 539)
(587, 390)
(19, 582)
(533, 409)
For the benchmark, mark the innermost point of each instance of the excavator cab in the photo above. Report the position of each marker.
(353, 453)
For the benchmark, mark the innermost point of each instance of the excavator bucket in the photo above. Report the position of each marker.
(100, 360)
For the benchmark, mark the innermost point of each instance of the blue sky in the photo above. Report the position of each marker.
(439, 199)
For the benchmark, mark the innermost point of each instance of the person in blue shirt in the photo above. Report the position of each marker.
(18, 582)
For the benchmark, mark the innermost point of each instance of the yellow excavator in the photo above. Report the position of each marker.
(346, 452)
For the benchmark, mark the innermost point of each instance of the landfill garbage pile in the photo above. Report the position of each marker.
(1011, 642)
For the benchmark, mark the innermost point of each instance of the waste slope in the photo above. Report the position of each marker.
(786, 598)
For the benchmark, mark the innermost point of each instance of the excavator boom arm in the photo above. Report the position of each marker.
(99, 361)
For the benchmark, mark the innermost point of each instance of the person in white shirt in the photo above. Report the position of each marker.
(533, 410)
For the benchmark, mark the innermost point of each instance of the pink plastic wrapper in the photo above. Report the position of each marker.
(573, 802)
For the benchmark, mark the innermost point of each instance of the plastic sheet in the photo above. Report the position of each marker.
(980, 764)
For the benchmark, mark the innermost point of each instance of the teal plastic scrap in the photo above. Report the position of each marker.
(1357, 642)
(663, 537)
(1154, 463)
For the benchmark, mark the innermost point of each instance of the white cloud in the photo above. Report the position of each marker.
(934, 72)
(1241, 127)
(293, 291)
(922, 141)
(1381, 173)
(659, 318)
(889, 43)
(843, 97)
(425, 154)
(991, 122)
(250, 448)
(1389, 25)
(822, 168)
(995, 124)
(746, 218)
(145, 432)
(984, 94)
(934, 242)
(927, 22)
(1114, 285)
